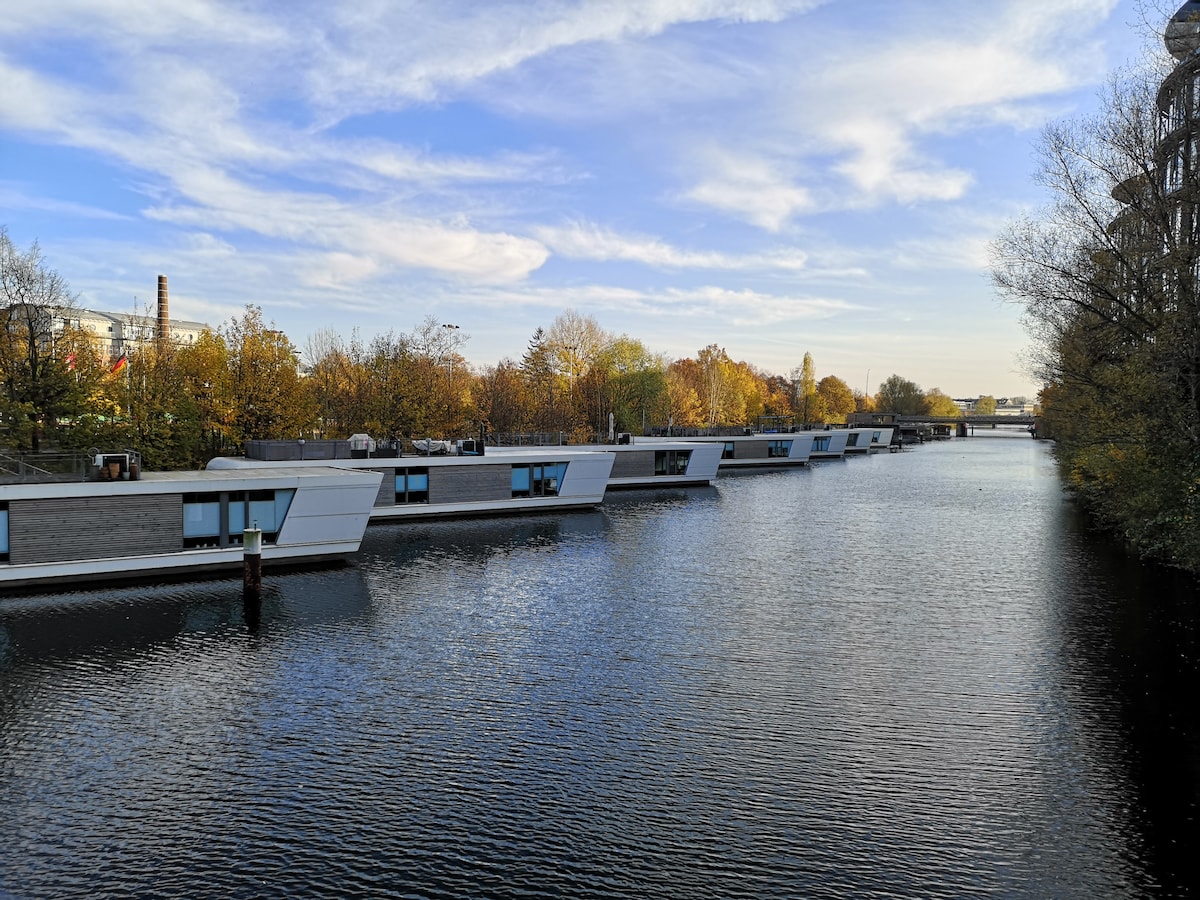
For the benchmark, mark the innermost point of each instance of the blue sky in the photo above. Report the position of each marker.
(773, 176)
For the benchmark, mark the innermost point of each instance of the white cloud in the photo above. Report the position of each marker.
(381, 54)
(16, 198)
(753, 189)
(326, 223)
(31, 102)
(860, 121)
(718, 305)
(137, 22)
(593, 242)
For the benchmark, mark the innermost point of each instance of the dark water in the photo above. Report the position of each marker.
(909, 675)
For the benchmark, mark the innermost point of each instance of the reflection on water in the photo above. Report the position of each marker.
(904, 675)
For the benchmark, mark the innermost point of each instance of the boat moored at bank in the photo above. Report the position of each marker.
(642, 463)
(749, 450)
(830, 444)
(866, 439)
(463, 480)
(132, 525)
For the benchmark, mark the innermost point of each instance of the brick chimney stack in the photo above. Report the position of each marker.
(163, 331)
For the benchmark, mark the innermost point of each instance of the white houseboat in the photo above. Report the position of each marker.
(649, 464)
(459, 481)
(864, 440)
(170, 525)
(829, 444)
(739, 451)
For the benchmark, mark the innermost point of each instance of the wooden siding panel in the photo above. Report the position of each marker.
(633, 464)
(461, 484)
(751, 450)
(387, 488)
(41, 531)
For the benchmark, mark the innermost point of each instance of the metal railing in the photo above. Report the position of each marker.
(45, 466)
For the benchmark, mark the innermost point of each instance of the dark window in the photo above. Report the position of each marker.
(412, 485)
(671, 462)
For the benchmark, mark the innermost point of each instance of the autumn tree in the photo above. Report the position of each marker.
(501, 394)
(713, 388)
(900, 396)
(985, 406)
(540, 374)
(334, 379)
(38, 384)
(204, 375)
(806, 393)
(685, 409)
(576, 343)
(1106, 276)
(635, 383)
(266, 395)
(836, 397)
(941, 405)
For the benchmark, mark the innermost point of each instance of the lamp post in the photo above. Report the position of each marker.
(571, 348)
(450, 358)
(452, 340)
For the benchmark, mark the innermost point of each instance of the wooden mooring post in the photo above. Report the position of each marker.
(252, 562)
(252, 575)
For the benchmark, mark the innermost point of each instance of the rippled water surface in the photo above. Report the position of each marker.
(908, 675)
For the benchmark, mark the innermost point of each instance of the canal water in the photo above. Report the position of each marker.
(906, 675)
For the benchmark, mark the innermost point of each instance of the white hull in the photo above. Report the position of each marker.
(157, 527)
(461, 486)
(743, 451)
(647, 464)
(829, 444)
(866, 439)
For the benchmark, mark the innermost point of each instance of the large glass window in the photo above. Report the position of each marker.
(852, 439)
(538, 480)
(821, 443)
(778, 449)
(266, 510)
(201, 520)
(671, 462)
(3, 532)
(217, 519)
(412, 485)
(727, 453)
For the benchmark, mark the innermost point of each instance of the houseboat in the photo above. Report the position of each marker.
(753, 449)
(124, 524)
(864, 440)
(459, 479)
(829, 444)
(650, 464)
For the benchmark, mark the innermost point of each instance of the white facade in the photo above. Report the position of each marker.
(117, 333)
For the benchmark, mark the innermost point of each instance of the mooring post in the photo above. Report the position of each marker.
(252, 563)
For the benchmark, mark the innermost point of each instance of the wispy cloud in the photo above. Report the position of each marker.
(588, 241)
(15, 198)
(719, 305)
(381, 55)
(864, 122)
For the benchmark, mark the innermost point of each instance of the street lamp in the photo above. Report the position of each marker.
(451, 329)
(571, 371)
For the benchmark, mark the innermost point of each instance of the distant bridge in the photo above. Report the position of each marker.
(966, 420)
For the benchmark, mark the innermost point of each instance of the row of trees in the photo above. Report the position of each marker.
(1107, 277)
(180, 405)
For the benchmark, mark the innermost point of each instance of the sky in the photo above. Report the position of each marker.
(772, 176)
